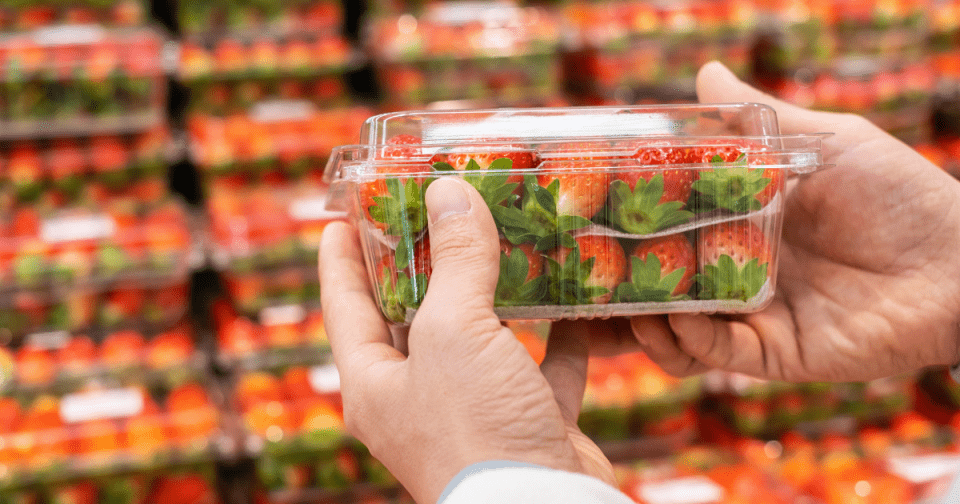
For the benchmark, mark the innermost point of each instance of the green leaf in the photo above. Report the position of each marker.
(501, 164)
(441, 166)
(567, 223)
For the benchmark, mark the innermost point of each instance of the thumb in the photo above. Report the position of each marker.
(465, 252)
(717, 84)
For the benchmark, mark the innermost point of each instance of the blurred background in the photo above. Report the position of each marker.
(161, 204)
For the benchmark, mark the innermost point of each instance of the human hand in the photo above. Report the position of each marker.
(468, 390)
(869, 274)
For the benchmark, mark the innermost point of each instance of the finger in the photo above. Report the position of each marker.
(717, 84)
(565, 365)
(465, 252)
(657, 340)
(731, 345)
(358, 335)
(612, 337)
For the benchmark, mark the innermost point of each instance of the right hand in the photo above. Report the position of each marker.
(869, 274)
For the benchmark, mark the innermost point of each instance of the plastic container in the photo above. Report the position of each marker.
(291, 419)
(22, 16)
(471, 50)
(265, 228)
(628, 397)
(277, 336)
(270, 16)
(180, 485)
(702, 475)
(65, 172)
(61, 360)
(105, 428)
(78, 79)
(591, 225)
(288, 139)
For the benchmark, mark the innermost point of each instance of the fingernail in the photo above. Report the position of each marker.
(444, 198)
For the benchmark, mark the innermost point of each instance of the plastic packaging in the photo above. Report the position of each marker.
(467, 51)
(105, 428)
(61, 360)
(274, 138)
(66, 172)
(292, 422)
(23, 16)
(602, 211)
(180, 485)
(277, 336)
(270, 16)
(629, 398)
(88, 79)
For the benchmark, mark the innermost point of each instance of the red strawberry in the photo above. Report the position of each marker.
(169, 349)
(647, 200)
(67, 163)
(25, 170)
(402, 282)
(122, 349)
(110, 158)
(240, 338)
(76, 493)
(518, 157)
(733, 185)
(661, 269)
(521, 281)
(394, 201)
(735, 261)
(579, 189)
(588, 272)
(78, 356)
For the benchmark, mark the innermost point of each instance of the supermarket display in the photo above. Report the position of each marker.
(277, 335)
(197, 17)
(66, 172)
(631, 407)
(461, 51)
(80, 79)
(622, 51)
(593, 222)
(293, 422)
(23, 16)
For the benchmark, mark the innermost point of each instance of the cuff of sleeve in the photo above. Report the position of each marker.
(479, 468)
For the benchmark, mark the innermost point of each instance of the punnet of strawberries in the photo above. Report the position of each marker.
(631, 226)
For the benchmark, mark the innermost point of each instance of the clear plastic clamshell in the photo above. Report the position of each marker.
(610, 211)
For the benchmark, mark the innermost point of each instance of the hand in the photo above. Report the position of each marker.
(468, 391)
(869, 274)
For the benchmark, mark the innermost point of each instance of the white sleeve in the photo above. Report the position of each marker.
(504, 482)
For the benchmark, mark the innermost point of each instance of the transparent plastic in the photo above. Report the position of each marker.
(610, 211)
(86, 78)
(105, 428)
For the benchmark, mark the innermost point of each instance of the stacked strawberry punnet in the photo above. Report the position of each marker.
(597, 222)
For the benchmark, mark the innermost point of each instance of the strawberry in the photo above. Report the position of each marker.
(122, 349)
(495, 188)
(552, 206)
(75, 493)
(644, 201)
(73, 261)
(732, 185)
(580, 194)
(521, 281)
(121, 305)
(67, 164)
(588, 272)
(735, 259)
(661, 269)
(394, 201)
(403, 284)
(110, 158)
(25, 170)
(78, 356)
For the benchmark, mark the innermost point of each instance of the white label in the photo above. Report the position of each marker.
(281, 110)
(49, 340)
(282, 315)
(68, 34)
(695, 490)
(925, 468)
(459, 13)
(100, 405)
(66, 229)
(325, 379)
(548, 126)
(312, 209)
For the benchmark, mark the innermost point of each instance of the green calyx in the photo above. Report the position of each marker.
(640, 211)
(402, 209)
(732, 187)
(406, 293)
(536, 221)
(569, 281)
(513, 289)
(493, 187)
(646, 284)
(725, 281)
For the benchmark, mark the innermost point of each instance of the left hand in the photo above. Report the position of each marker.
(468, 391)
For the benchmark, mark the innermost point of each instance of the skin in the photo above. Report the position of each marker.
(467, 390)
(869, 272)
(869, 286)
